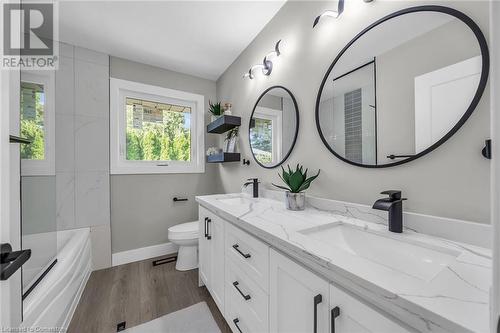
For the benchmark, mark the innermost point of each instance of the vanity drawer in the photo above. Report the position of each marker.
(250, 254)
(244, 294)
(247, 319)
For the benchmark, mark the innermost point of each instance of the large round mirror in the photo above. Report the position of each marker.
(273, 127)
(402, 86)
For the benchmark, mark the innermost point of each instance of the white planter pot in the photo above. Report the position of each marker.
(295, 201)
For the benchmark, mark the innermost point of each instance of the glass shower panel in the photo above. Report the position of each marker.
(38, 187)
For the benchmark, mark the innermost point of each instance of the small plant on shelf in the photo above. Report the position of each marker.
(297, 182)
(215, 109)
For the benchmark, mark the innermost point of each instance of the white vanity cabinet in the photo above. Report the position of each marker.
(260, 290)
(211, 254)
(354, 316)
(301, 301)
(298, 298)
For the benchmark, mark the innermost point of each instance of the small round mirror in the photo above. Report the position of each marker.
(273, 127)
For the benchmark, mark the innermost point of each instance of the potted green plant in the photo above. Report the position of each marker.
(297, 182)
(215, 110)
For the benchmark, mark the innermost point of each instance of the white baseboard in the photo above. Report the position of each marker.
(143, 253)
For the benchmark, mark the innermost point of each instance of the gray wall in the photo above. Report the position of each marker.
(141, 205)
(452, 181)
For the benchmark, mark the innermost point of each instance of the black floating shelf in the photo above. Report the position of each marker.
(223, 124)
(223, 157)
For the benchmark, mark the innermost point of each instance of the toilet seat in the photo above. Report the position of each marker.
(187, 230)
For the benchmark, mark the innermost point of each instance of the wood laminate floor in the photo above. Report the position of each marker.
(136, 293)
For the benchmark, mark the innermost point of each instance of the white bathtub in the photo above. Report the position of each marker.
(52, 303)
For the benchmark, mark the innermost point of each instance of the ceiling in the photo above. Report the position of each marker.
(200, 38)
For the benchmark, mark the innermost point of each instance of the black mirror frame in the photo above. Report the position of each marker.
(296, 127)
(475, 101)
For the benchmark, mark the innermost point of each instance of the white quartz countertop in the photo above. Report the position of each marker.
(456, 299)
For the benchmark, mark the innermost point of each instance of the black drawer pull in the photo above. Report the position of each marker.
(335, 313)
(246, 297)
(317, 299)
(245, 255)
(236, 321)
(209, 237)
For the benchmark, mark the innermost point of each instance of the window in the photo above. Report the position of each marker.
(265, 135)
(155, 130)
(37, 123)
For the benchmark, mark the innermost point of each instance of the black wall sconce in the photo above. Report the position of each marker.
(267, 64)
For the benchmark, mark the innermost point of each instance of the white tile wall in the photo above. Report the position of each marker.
(65, 143)
(82, 139)
(65, 85)
(92, 205)
(65, 200)
(91, 89)
(91, 143)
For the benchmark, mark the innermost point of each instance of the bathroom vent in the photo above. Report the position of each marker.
(121, 326)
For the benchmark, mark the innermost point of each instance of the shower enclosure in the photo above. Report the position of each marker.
(38, 181)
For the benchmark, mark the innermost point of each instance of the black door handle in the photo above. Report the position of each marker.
(246, 297)
(206, 219)
(317, 299)
(245, 255)
(209, 237)
(335, 313)
(236, 321)
(11, 261)
(179, 199)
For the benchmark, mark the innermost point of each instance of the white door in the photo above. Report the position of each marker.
(216, 232)
(299, 299)
(10, 223)
(203, 248)
(440, 97)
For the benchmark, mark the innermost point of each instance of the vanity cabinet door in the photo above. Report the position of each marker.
(204, 266)
(354, 316)
(216, 234)
(299, 299)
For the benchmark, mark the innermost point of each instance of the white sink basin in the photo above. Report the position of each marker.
(239, 200)
(419, 260)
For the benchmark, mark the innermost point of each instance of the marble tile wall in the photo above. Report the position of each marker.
(82, 138)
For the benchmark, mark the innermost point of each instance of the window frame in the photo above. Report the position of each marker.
(120, 90)
(276, 118)
(45, 167)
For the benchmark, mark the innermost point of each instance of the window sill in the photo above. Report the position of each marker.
(153, 169)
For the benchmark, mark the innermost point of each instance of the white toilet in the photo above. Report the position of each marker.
(185, 235)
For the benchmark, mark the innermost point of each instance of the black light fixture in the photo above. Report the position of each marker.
(267, 64)
(331, 13)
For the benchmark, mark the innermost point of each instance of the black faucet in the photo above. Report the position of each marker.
(255, 183)
(394, 205)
